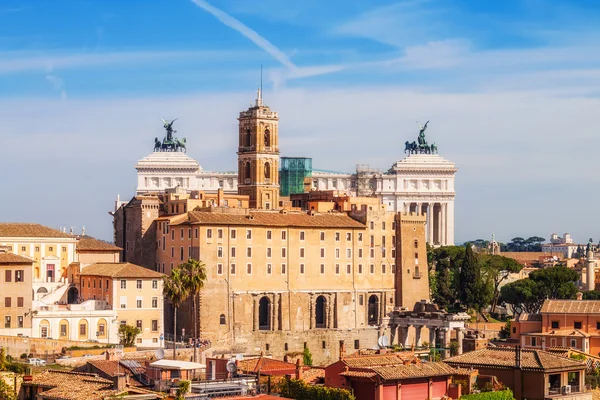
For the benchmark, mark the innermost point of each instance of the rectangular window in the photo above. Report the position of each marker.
(301, 235)
(322, 252)
(269, 269)
(63, 329)
(50, 248)
(37, 248)
(337, 236)
(555, 324)
(209, 233)
(283, 253)
(597, 324)
(123, 284)
(8, 275)
(372, 253)
(372, 225)
(94, 284)
(189, 233)
(249, 269)
(181, 234)
(138, 303)
(337, 269)
(533, 341)
(19, 275)
(220, 252)
(269, 252)
(138, 284)
(361, 300)
(219, 269)
(100, 283)
(138, 323)
(348, 269)
(181, 254)
(372, 268)
(383, 252)
(196, 233)
(577, 325)
(348, 253)
(348, 236)
(283, 269)
(154, 284)
(383, 241)
(383, 226)
(248, 252)
(283, 235)
(20, 301)
(172, 251)
(7, 302)
(360, 253)
(232, 269)
(393, 268)
(82, 329)
(393, 253)
(7, 321)
(360, 268)
(302, 268)
(155, 302)
(248, 234)
(101, 329)
(219, 233)
(322, 236)
(233, 233)
(337, 253)
(23, 249)
(154, 325)
(269, 235)
(372, 240)
(123, 322)
(322, 268)
(173, 234)
(301, 252)
(383, 268)
(233, 252)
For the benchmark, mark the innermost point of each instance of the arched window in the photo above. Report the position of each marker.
(268, 170)
(72, 295)
(247, 171)
(267, 137)
(373, 310)
(222, 319)
(320, 312)
(264, 314)
(248, 138)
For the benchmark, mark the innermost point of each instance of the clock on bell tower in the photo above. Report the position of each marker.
(258, 155)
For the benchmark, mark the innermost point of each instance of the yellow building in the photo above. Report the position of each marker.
(135, 293)
(15, 297)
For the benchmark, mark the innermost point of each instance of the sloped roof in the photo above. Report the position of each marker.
(275, 219)
(409, 371)
(120, 270)
(266, 365)
(11, 258)
(88, 243)
(571, 307)
(505, 357)
(65, 385)
(368, 361)
(18, 229)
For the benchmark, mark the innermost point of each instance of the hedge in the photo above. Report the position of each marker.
(299, 390)
(506, 394)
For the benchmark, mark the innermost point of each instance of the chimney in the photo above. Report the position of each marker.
(298, 369)
(518, 357)
(579, 296)
(342, 349)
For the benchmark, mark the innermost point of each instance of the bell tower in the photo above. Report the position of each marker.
(258, 155)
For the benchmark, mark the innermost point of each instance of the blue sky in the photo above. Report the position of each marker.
(511, 89)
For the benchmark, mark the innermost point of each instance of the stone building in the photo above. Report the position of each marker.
(15, 303)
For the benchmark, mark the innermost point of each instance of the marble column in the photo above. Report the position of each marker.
(418, 335)
(450, 223)
(443, 240)
(430, 223)
(460, 335)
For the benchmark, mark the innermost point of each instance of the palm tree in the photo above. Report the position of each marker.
(176, 291)
(194, 276)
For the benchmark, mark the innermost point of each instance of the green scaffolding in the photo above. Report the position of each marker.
(292, 174)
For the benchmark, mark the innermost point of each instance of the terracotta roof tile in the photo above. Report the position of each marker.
(88, 243)
(359, 374)
(560, 332)
(120, 270)
(362, 361)
(267, 366)
(504, 357)
(64, 385)
(409, 371)
(11, 258)
(8, 229)
(275, 219)
(571, 307)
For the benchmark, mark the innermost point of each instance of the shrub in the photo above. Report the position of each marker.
(506, 394)
(307, 357)
(299, 390)
(23, 356)
(15, 367)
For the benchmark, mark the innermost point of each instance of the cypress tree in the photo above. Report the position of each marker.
(470, 280)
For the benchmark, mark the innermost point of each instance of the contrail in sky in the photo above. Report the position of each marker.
(247, 32)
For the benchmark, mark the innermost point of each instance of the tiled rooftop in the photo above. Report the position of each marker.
(362, 361)
(88, 243)
(409, 371)
(571, 307)
(72, 385)
(30, 230)
(266, 366)
(11, 258)
(537, 360)
(120, 270)
(276, 219)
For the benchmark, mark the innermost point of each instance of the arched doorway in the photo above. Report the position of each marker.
(72, 295)
(373, 310)
(320, 313)
(44, 328)
(264, 314)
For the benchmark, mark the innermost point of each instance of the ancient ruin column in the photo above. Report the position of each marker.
(255, 313)
(432, 337)
(460, 335)
(418, 335)
(405, 342)
(445, 339)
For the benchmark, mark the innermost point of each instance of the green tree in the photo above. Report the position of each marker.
(176, 291)
(445, 265)
(307, 357)
(474, 291)
(6, 392)
(556, 282)
(127, 334)
(591, 295)
(194, 276)
(521, 296)
(497, 269)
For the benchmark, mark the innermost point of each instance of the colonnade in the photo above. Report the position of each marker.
(439, 228)
(439, 335)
